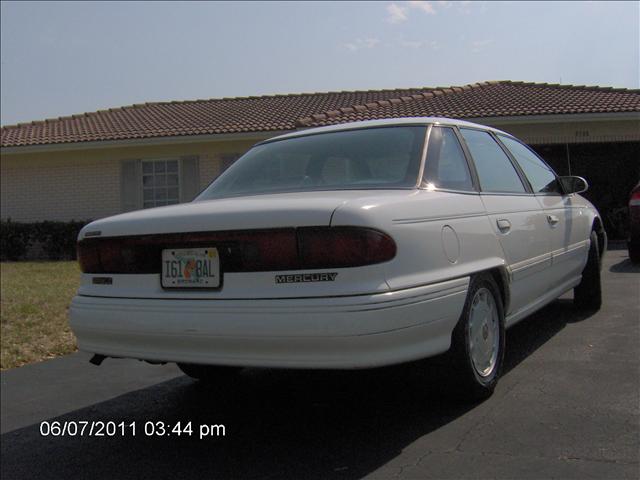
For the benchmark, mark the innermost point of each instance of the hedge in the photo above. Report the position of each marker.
(39, 240)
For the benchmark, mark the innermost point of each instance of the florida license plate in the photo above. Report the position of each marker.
(190, 268)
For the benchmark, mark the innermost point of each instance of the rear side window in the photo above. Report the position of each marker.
(540, 176)
(495, 171)
(446, 165)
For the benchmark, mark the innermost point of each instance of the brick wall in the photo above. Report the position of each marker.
(85, 184)
(59, 189)
(209, 169)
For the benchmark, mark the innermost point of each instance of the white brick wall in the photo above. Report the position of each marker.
(85, 184)
(209, 169)
(52, 189)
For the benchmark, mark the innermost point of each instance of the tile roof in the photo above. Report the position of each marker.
(195, 117)
(288, 112)
(490, 99)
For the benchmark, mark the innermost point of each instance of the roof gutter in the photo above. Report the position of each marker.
(143, 142)
(556, 118)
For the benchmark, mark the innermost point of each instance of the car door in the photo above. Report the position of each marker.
(516, 218)
(566, 222)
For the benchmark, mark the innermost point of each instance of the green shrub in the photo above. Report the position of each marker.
(14, 239)
(43, 240)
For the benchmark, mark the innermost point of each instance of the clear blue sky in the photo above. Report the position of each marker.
(62, 58)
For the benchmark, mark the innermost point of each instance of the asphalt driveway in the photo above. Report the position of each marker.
(567, 407)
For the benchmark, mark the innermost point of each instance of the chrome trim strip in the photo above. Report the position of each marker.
(435, 219)
(530, 262)
(449, 190)
(551, 257)
(570, 250)
(508, 212)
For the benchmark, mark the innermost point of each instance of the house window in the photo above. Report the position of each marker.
(160, 183)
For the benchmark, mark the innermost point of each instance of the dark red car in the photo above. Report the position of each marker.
(634, 216)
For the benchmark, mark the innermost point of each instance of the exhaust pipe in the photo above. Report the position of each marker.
(97, 359)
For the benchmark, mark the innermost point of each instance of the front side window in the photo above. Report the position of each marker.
(540, 176)
(495, 171)
(446, 165)
(160, 183)
(378, 158)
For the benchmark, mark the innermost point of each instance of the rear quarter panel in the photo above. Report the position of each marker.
(439, 235)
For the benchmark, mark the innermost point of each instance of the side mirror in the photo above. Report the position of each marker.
(573, 185)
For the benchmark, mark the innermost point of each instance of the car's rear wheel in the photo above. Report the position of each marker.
(209, 373)
(477, 351)
(588, 294)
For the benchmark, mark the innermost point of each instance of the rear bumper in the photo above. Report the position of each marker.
(330, 332)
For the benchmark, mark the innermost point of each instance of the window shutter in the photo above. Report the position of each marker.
(131, 185)
(189, 178)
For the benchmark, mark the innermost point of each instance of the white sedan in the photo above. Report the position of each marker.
(351, 246)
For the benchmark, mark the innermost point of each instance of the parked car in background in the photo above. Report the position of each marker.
(634, 225)
(350, 246)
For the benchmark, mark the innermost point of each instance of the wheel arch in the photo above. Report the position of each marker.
(598, 227)
(501, 277)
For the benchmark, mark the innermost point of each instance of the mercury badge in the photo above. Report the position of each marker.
(307, 277)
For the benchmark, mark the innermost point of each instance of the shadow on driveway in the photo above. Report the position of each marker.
(279, 424)
(625, 266)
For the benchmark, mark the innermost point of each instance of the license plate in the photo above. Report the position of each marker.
(190, 268)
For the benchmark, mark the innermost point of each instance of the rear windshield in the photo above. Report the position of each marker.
(382, 158)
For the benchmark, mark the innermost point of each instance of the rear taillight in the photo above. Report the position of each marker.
(634, 201)
(244, 251)
(341, 247)
(88, 257)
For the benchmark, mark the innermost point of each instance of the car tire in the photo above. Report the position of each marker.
(587, 295)
(209, 373)
(475, 370)
(634, 252)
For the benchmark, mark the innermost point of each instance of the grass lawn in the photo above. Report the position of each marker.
(34, 305)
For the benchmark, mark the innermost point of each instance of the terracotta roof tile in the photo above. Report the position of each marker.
(501, 98)
(196, 117)
(287, 112)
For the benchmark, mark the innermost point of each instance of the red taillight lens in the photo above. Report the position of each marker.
(88, 257)
(240, 251)
(634, 201)
(341, 247)
(244, 251)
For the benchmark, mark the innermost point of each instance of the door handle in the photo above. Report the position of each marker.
(553, 220)
(504, 225)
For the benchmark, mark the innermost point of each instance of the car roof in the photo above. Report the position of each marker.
(386, 122)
